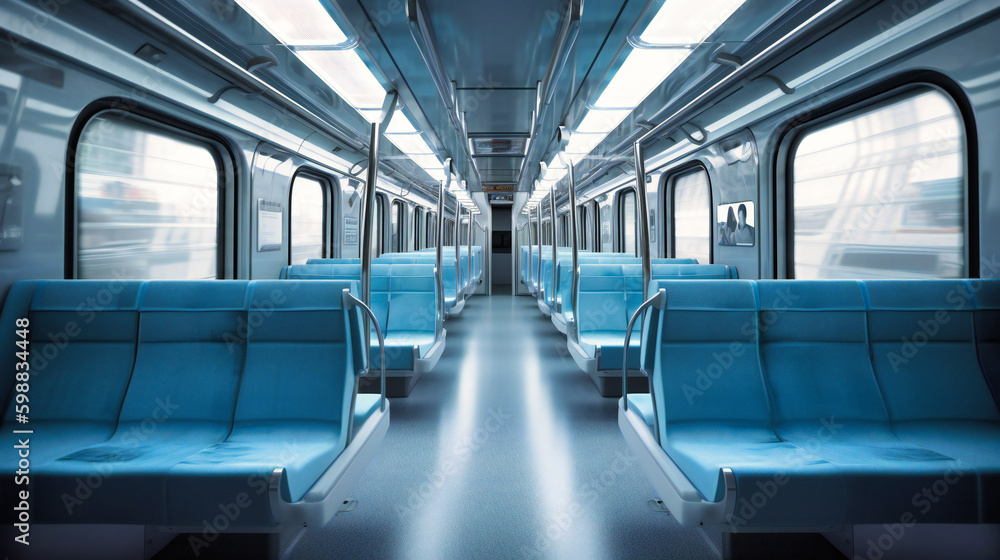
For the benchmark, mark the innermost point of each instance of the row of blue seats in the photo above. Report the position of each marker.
(156, 402)
(609, 291)
(608, 296)
(459, 282)
(404, 299)
(811, 405)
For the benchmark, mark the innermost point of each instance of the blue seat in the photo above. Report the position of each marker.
(404, 299)
(780, 404)
(82, 348)
(815, 354)
(322, 269)
(926, 361)
(293, 410)
(170, 398)
(562, 310)
(609, 294)
(180, 399)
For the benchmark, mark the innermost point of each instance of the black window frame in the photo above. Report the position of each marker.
(327, 183)
(227, 240)
(620, 218)
(886, 93)
(670, 181)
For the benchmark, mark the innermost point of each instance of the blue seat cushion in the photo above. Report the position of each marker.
(243, 464)
(612, 344)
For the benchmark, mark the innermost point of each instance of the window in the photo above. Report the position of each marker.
(432, 229)
(691, 207)
(377, 226)
(396, 239)
(584, 229)
(626, 222)
(418, 224)
(308, 219)
(881, 193)
(148, 202)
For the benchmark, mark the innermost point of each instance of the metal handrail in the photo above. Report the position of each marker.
(657, 301)
(352, 300)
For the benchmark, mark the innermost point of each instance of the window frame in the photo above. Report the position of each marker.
(227, 218)
(848, 107)
(669, 182)
(620, 218)
(327, 184)
(418, 223)
(378, 229)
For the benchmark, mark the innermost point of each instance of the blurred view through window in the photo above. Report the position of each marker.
(147, 202)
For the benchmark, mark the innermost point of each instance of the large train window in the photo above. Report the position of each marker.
(147, 202)
(881, 193)
(594, 232)
(691, 210)
(626, 222)
(584, 229)
(377, 226)
(396, 241)
(432, 229)
(307, 220)
(418, 224)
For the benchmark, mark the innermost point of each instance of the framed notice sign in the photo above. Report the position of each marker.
(269, 226)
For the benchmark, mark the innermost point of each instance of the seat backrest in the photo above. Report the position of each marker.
(601, 299)
(325, 271)
(987, 316)
(814, 352)
(706, 366)
(82, 348)
(334, 261)
(412, 298)
(923, 348)
(300, 363)
(192, 345)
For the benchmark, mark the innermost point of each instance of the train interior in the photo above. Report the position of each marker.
(304, 279)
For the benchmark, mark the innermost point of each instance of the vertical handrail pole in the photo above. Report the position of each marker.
(563, 137)
(640, 183)
(439, 254)
(371, 182)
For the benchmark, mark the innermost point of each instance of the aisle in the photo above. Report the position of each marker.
(505, 450)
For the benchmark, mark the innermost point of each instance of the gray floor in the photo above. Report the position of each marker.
(505, 450)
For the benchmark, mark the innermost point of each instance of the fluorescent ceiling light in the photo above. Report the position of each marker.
(410, 144)
(429, 162)
(602, 122)
(688, 21)
(583, 143)
(298, 23)
(348, 75)
(641, 73)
